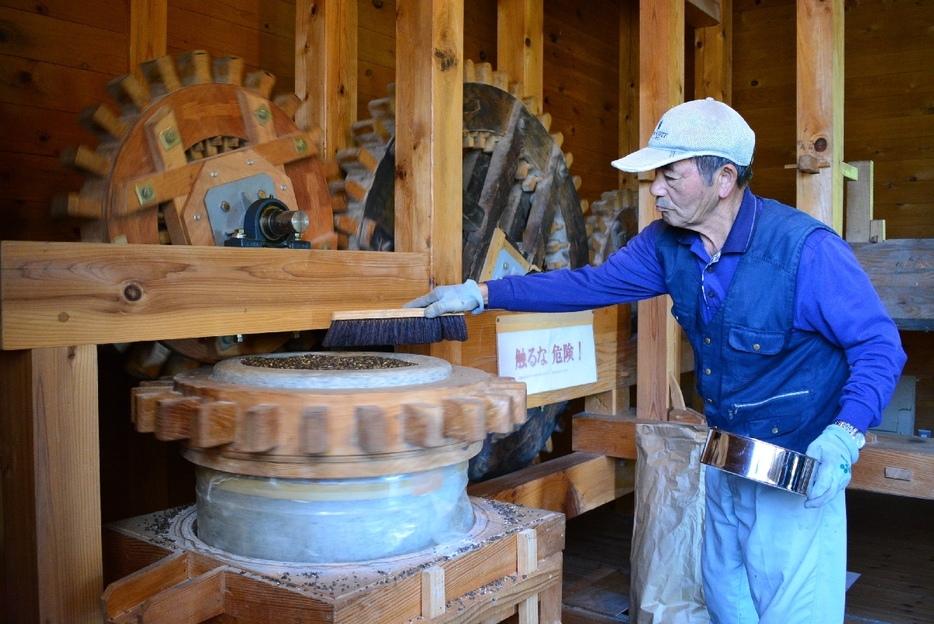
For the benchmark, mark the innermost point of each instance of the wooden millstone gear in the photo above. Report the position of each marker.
(325, 457)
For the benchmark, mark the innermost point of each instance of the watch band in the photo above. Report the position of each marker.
(856, 434)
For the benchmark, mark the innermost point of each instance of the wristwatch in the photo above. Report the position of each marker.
(858, 436)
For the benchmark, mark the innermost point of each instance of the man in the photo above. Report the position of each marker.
(791, 343)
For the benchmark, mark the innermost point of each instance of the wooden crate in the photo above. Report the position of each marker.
(508, 564)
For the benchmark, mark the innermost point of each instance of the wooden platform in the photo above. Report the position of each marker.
(891, 543)
(508, 566)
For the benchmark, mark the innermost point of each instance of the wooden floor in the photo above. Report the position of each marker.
(891, 547)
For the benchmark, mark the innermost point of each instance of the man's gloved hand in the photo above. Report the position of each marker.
(836, 451)
(464, 297)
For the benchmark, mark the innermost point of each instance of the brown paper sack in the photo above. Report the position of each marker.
(666, 584)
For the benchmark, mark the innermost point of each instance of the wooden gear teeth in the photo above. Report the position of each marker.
(186, 111)
(260, 427)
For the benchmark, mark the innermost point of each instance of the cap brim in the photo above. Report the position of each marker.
(648, 159)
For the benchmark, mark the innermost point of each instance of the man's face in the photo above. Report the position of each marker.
(682, 196)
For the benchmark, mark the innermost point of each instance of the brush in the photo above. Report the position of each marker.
(360, 328)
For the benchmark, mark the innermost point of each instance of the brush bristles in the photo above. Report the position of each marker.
(395, 331)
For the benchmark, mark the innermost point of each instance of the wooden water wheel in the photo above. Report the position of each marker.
(517, 189)
(198, 154)
(516, 179)
(190, 150)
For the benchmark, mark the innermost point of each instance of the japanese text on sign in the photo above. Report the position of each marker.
(547, 351)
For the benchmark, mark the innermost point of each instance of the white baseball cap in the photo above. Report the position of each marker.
(698, 128)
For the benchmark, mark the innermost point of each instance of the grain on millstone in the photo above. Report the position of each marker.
(317, 361)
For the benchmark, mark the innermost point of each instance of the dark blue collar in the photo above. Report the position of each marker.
(740, 234)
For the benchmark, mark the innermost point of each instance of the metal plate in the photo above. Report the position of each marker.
(759, 461)
(226, 204)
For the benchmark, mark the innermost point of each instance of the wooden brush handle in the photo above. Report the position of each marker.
(352, 315)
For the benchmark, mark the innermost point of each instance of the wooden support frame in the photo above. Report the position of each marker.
(508, 564)
(56, 294)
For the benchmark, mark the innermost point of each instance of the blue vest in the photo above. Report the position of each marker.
(758, 376)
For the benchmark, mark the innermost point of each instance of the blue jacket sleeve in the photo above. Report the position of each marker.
(630, 274)
(835, 298)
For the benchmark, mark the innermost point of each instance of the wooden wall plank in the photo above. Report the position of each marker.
(188, 30)
(480, 30)
(51, 500)
(41, 85)
(30, 35)
(41, 132)
(901, 272)
(276, 17)
(111, 15)
(27, 219)
(74, 293)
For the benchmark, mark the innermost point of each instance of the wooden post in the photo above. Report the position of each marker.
(148, 32)
(520, 47)
(859, 199)
(661, 86)
(429, 122)
(326, 69)
(51, 493)
(820, 109)
(713, 57)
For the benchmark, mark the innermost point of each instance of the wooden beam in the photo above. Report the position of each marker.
(713, 57)
(902, 272)
(661, 86)
(571, 484)
(148, 32)
(520, 46)
(429, 122)
(613, 435)
(55, 294)
(326, 69)
(895, 464)
(51, 492)
(859, 203)
(820, 109)
(891, 464)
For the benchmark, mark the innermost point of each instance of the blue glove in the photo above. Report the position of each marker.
(836, 451)
(464, 297)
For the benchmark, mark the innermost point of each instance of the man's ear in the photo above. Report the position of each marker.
(726, 180)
